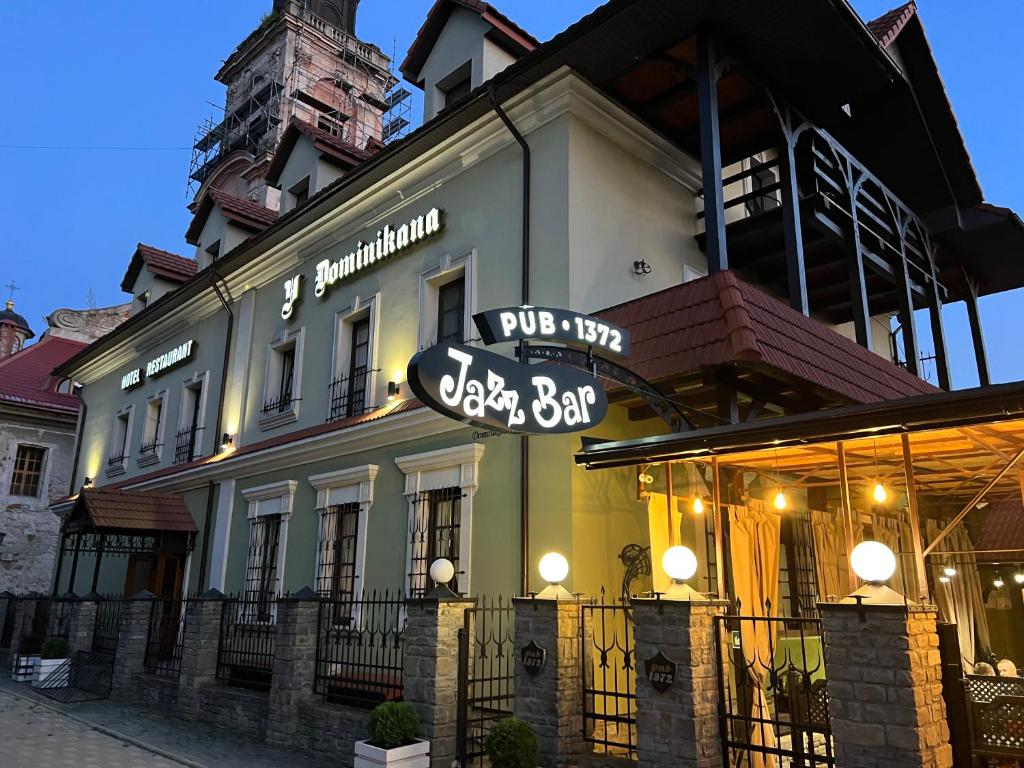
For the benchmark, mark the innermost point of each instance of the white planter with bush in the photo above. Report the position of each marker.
(24, 667)
(48, 672)
(394, 739)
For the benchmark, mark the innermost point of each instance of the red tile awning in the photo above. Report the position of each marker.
(113, 511)
(721, 319)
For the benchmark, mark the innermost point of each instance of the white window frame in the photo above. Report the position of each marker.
(44, 471)
(343, 321)
(458, 466)
(272, 499)
(346, 486)
(120, 469)
(157, 454)
(272, 376)
(449, 268)
(202, 379)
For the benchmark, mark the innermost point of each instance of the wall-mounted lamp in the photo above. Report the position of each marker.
(393, 390)
(226, 442)
(87, 482)
(641, 267)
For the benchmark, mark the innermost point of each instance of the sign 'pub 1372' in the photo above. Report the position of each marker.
(492, 391)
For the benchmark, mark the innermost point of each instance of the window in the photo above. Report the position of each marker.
(152, 434)
(448, 301)
(299, 193)
(213, 251)
(451, 311)
(434, 533)
(188, 440)
(352, 386)
(270, 507)
(798, 583)
(457, 91)
(120, 441)
(336, 562)
(440, 486)
(284, 373)
(28, 470)
(455, 86)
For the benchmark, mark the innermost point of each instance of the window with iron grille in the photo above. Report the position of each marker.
(187, 443)
(798, 590)
(436, 521)
(28, 470)
(119, 439)
(358, 366)
(336, 564)
(451, 311)
(261, 567)
(153, 427)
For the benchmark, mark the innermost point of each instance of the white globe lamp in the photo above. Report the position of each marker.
(554, 569)
(680, 564)
(442, 571)
(874, 563)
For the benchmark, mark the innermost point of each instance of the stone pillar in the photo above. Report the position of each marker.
(132, 636)
(677, 728)
(82, 624)
(431, 669)
(294, 663)
(884, 680)
(199, 647)
(551, 700)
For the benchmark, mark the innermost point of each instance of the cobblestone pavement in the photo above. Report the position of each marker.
(36, 732)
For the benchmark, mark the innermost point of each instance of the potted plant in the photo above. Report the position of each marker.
(512, 744)
(394, 739)
(51, 671)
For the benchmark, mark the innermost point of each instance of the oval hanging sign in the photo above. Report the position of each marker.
(496, 392)
(550, 324)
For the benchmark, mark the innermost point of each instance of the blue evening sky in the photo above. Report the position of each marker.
(86, 80)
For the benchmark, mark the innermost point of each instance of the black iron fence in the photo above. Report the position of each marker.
(245, 655)
(608, 656)
(8, 631)
(487, 667)
(773, 706)
(164, 637)
(58, 617)
(360, 649)
(107, 625)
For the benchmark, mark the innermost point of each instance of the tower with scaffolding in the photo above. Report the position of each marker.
(303, 61)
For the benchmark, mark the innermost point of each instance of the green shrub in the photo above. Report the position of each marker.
(394, 724)
(512, 744)
(55, 648)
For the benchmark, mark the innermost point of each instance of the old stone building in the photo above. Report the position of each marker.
(38, 416)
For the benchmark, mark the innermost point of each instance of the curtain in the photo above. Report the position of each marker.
(754, 538)
(828, 542)
(960, 601)
(890, 531)
(664, 532)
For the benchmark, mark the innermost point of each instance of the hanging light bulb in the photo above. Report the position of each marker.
(1019, 577)
(998, 582)
(949, 571)
(698, 505)
(780, 500)
(879, 494)
(944, 579)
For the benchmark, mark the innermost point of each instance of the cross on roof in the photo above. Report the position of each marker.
(12, 287)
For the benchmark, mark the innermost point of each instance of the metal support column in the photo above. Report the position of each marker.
(711, 153)
(796, 273)
(906, 314)
(858, 282)
(938, 333)
(974, 316)
(96, 567)
(74, 563)
(716, 507)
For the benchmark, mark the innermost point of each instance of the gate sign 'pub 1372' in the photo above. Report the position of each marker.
(497, 392)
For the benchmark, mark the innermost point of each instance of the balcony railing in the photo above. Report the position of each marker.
(279, 404)
(116, 459)
(186, 444)
(350, 396)
(149, 447)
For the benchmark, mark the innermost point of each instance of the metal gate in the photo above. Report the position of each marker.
(487, 667)
(608, 656)
(86, 676)
(773, 707)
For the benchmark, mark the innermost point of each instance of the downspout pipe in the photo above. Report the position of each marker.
(82, 412)
(214, 277)
(524, 444)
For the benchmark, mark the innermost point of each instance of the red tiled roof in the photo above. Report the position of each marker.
(403, 406)
(243, 212)
(721, 319)
(332, 147)
(888, 26)
(111, 509)
(504, 32)
(164, 264)
(1003, 528)
(26, 376)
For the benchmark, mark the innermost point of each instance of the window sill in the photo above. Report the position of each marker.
(274, 420)
(115, 470)
(148, 460)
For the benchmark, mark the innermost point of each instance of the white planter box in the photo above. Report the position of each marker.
(24, 668)
(416, 755)
(46, 674)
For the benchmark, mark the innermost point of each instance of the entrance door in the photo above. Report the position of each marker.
(160, 574)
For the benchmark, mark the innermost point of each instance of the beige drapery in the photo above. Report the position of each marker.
(664, 532)
(890, 531)
(829, 541)
(754, 537)
(960, 601)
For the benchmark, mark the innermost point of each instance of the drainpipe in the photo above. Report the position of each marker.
(220, 418)
(524, 444)
(78, 441)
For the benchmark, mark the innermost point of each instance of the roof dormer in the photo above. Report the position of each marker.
(224, 221)
(461, 45)
(152, 273)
